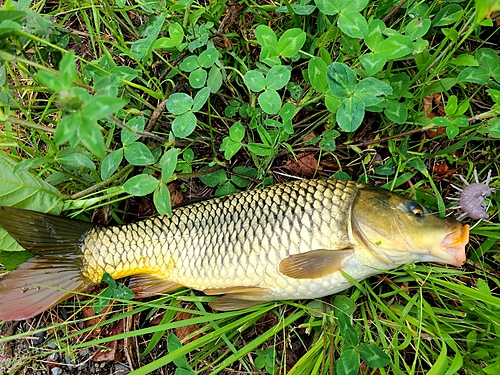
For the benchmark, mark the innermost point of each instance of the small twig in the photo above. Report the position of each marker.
(101, 184)
(389, 15)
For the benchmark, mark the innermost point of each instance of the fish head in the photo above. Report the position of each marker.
(398, 230)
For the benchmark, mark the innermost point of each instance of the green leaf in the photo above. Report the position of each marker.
(101, 106)
(125, 72)
(452, 131)
(464, 59)
(200, 99)
(138, 154)
(197, 78)
(488, 57)
(52, 81)
(316, 69)
(327, 142)
(225, 189)
(67, 69)
(237, 132)
(161, 199)
(373, 62)
(371, 89)
(474, 74)
(255, 80)
(173, 344)
(142, 48)
(208, 57)
(66, 128)
(353, 5)
(417, 28)
(451, 106)
(184, 125)
(11, 259)
(137, 123)
(179, 103)
(270, 101)
(348, 363)
(111, 163)
(230, 147)
(291, 42)
(140, 185)
(176, 37)
(375, 34)
(269, 55)
(353, 24)
(76, 160)
(189, 64)
(214, 81)
(168, 162)
(329, 7)
(91, 136)
(243, 171)
(287, 112)
(344, 304)
(395, 47)
(24, 190)
(350, 114)
(451, 13)
(396, 111)
(341, 79)
(266, 36)
(215, 178)
(259, 149)
(373, 356)
(26, 164)
(277, 77)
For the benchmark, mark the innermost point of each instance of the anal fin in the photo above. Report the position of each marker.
(237, 297)
(150, 285)
(231, 302)
(314, 264)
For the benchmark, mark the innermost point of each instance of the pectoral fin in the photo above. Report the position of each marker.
(232, 302)
(314, 264)
(238, 297)
(149, 285)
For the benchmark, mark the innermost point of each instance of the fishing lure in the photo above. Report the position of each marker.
(472, 199)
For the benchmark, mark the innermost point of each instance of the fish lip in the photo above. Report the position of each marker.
(452, 248)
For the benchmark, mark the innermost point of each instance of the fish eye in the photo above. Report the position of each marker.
(416, 209)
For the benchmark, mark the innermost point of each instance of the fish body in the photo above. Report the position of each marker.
(287, 241)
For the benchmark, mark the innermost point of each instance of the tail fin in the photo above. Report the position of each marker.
(46, 279)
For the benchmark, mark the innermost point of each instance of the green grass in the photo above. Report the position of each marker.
(102, 103)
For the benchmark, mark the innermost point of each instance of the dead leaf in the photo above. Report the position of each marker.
(183, 333)
(106, 354)
(306, 164)
(176, 196)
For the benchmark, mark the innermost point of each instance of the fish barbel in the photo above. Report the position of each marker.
(287, 241)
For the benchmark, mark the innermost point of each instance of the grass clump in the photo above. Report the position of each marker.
(121, 109)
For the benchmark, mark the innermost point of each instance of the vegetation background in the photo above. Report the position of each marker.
(115, 110)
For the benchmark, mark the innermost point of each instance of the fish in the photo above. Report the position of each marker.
(296, 240)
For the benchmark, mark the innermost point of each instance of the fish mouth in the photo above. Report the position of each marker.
(452, 248)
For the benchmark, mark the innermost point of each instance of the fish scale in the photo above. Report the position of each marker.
(229, 241)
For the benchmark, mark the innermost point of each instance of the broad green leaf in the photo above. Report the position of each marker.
(161, 199)
(197, 78)
(396, 111)
(449, 14)
(348, 362)
(316, 69)
(101, 106)
(371, 89)
(266, 36)
(341, 79)
(343, 303)
(10, 259)
(26, 164)
(373, 62)
(353, 5)
(91, 136)
(474, 74)
(111, 163)
(76, 160)
(270, 102)
(51, 80)
(184, 124)
(269, 55)
(142, 48)
(168, 162)
(255, 80)
(417, 28)
(464, 60)
(353, 24)
(452, 131)
(215, 178)
(138, 154)
(375, 33)
(225, 189)
(189, 64)
(179, 103)
(140, 185)
(208, 57)
(125, 72)
(242, 170)
(24, 190)
(66, 128)
(331, 102)
(287, 111)
(230, 147)
(373, 355)
(135, 124)
(259, 149)
(327, 142)
(399, 82)
(291, 42)
(237, 132)
(277, 77)
(451, 106)
(301, 10)
(440, 85)
(200, 99)
(488, 58)
(350, 114)
(67, 69)
(395, 47)
(7, 26)
(329, 7)
(214, 81)
(176, 37)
